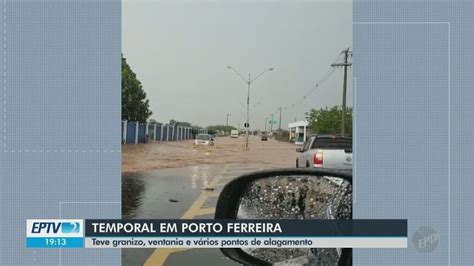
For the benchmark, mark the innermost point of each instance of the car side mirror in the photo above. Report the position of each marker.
(288, 194)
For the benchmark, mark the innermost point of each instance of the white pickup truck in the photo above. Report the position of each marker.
(326, 151)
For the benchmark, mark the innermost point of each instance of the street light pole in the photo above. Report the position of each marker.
(249, 82)
(271, 124)
(227, 120)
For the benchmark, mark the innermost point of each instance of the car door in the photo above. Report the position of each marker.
(302, 155)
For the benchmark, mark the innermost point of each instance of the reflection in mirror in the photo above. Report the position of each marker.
(296, 197)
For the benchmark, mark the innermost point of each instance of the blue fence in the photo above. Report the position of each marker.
(165, 133)
(134, 132)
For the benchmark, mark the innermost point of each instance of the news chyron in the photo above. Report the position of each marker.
(55, 233)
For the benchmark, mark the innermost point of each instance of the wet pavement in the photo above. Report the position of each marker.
(166, 193)
(168, 181)
(177, 193)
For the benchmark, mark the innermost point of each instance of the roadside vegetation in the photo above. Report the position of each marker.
(328, 120)
(135, 105)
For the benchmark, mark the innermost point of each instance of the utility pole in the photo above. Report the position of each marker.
(345, 64)
(271, 124)
(266, 118)
(248, 114)
(279, 126)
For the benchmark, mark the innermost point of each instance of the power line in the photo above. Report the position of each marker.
(340, 59)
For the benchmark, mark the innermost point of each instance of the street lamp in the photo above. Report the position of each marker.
(249, 82)
(227, 121)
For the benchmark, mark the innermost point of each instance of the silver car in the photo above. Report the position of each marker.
(204, 140)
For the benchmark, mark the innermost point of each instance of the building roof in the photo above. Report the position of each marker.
(298, 124)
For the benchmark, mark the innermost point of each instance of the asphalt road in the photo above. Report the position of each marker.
(178, 193)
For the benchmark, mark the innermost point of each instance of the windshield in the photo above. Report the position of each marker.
(204, 137)
(332, 143)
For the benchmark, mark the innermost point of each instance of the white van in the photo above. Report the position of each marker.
(234, 133)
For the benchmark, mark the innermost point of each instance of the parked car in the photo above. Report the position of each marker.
(204, 140)
(326, 151)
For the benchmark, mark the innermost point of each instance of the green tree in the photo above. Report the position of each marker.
(176, 123)
(328, 120)
(135, 105)
(153, 121)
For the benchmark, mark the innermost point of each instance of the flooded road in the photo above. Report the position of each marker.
(178, 154)
(158, 191)
(164, 193)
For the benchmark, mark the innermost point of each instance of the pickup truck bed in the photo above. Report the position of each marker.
(325, 151)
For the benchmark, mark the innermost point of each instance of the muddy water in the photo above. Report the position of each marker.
(162, 180)
(159, 155)
(164, 194)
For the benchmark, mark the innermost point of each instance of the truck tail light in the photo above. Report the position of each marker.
(318, 159)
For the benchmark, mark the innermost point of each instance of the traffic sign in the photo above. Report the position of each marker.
(246, 125)
(272, 122)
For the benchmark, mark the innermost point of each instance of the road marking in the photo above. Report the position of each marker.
(159, 256)
(206, 211)
(197, 204)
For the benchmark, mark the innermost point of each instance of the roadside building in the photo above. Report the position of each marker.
(298, 132)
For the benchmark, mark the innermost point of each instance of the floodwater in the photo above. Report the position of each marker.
(162, 181)
(159, 155)
(166, 193)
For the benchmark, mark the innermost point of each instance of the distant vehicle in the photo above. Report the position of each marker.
(204, 140)
(234, 133)
(326, 151)
(264, 136)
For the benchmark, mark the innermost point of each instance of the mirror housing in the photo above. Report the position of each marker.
(230, 200)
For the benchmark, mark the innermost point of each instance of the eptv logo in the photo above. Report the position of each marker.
(52, 227)
(58, 228)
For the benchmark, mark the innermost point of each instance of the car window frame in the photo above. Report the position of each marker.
(342, 138)
(307, 144)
